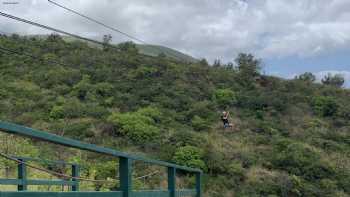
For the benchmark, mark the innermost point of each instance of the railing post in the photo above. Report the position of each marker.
(22, 175)
(172, 181)
(75, 175)
(125, 172)
(199, 184)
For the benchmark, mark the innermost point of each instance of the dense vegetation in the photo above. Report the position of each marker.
(290, 137)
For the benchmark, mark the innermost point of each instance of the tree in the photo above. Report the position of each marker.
(82, 88)
(229, 66)
(162, 55)
(128, 47)
(217, 63)
(203, 62)
(248, 67)
(106, 41)
(336, 80)
(54, 38)
(309, 77)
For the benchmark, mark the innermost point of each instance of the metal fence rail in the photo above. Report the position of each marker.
(125, 171)
(186, 193)
(61, 194)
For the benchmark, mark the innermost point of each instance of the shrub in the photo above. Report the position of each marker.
(262, 182)
(57, 112)
(138, 126)
(236, 170)
(307, 77)
(199, 123)
(252, 101)
(83, 88)
(203, 109)
(301, 160)
(186, 138)
(79, 128)
(151, 112)
(324, 106)
(104, 89)
(189, 156)
(73, 108)
(225, 97)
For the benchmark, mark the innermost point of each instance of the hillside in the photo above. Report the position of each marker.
(154, 50)
(290, 138)
(151, 50)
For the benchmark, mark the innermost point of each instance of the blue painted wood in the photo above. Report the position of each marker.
(35, 182)
(152, 193)
(125, 172)
(186, 193)
(199, 184)
(22, 175)
(50, 182)
(75, 173)
(10, 182)
(43, 160)
(61, 194)
(171, 181)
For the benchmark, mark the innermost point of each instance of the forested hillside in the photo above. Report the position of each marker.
(290, 137)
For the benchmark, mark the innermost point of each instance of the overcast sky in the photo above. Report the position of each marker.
(290, 36)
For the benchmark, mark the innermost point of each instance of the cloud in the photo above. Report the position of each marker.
(204, 28)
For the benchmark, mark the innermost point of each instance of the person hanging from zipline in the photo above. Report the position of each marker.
(224, 117)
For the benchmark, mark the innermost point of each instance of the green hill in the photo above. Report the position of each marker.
(151, 50)
(290, 137)
(154, 50)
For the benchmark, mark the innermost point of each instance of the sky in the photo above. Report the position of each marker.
(290, 36)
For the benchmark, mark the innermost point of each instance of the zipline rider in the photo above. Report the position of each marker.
(224, 117)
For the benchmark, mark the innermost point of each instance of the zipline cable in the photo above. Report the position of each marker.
(55, 30)
(96, 21)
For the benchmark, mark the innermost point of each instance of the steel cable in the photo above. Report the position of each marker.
(98, 22)
(54, 29)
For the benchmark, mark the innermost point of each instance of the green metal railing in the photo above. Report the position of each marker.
(125, 171)
(22, 182)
